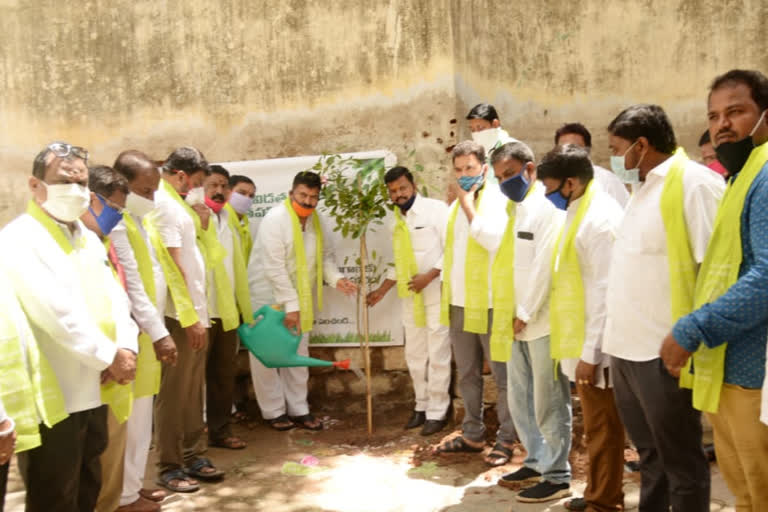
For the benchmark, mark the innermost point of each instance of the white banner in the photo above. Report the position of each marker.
(335, 325)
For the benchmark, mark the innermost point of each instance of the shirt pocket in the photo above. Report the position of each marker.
(423, 239)
(525, 251)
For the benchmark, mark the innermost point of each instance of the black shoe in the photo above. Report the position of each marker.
(515, 479)
(432, 427)
(576, 504)
(544, 491)
(417, 419)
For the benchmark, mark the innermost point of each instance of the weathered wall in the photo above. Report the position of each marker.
(544, 63)
(240, 79)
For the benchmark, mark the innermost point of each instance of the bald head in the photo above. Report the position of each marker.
(133, 164)
(141, 172)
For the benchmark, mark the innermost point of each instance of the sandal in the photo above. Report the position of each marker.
(281, 423)
(239, 417)
(166, 480)
(196, 469)
(156, 495)
(231, 443)
(308, 422)
(499, 455)
(457, 444)
(578, 504)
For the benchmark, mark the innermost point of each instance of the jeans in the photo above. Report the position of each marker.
(540, 405)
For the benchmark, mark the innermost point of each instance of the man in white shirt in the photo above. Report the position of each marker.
(427, 347)
(80, 317)
(475, 228)
(222, 335)
(656, 412)
(537, 391)
(485, 126)
(179, 404)
(275, 277)
(577, 315)
(135, 251)
(577, 133)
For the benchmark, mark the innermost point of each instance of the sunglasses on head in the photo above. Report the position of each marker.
(63, 150)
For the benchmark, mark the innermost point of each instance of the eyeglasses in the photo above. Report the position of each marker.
(63, 150)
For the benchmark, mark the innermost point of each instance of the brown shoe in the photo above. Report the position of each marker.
(140, 505)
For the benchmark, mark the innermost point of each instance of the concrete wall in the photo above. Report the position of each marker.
(544, 63)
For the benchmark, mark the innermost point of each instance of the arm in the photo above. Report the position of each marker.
(539, 272)
(597, 256)
(487, 227)
(274, 261)
(744, 306)
(145, 313)
(7, 436)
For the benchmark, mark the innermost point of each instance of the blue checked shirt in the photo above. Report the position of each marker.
(740, 316)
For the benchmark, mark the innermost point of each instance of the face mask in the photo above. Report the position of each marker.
(240, 203)
(618, 165)
(407, 205)
(138, 205)
(66, 202)
(558, 199)
(213, 205)
(108, 219)
(301, 211)
(487, 138)
(718, 168)
(733, 155)
(515, 187)
(467, 182)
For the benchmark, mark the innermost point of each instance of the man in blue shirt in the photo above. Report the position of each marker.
(738, 124)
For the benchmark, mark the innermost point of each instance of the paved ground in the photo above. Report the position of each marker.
(354, 474)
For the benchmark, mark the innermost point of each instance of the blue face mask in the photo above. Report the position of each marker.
(109, 217)
(515, 187)
(558, 199)
(467, 182)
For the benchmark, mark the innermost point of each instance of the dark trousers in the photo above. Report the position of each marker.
(179, 405)
(3, 483)
(666, 430)
(220, 380)
(64, 473)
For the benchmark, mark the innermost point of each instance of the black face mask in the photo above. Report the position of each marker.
(733, 155)
(407, 205)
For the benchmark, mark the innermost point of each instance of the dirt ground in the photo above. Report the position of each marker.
(340, 469)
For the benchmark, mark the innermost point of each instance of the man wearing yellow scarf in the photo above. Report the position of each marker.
(476, 224)
(417, 246)
(537, 391)
(725, 336)
(290, 260)
(80, 317)
(580, 265)
(659, 244)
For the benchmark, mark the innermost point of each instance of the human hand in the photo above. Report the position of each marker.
(7, 442)
(196, 336)
(585, 373)
(165, 350)
(518, 325)
(346, 287)
(673, 355)
(292, 322)
(123, 367)
(419, 282)
(204, 213)
(375, 296)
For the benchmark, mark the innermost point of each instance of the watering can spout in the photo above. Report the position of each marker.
(272, 343)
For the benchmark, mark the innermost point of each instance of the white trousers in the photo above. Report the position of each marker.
(281, 390)
(428, 356)
(137, 442)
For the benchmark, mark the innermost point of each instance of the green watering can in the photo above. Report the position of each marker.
(274, 345)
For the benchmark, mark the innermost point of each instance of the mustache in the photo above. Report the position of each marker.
(219, 198)
(722, 133)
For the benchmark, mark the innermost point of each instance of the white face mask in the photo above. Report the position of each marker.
(138, 205)
(618, 166)
(196, 196)
(66, 202)
(240, 203)
(487, 138)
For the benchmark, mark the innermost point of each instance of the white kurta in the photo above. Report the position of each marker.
(639, 312)
(594, 243)
(487, 229)
(272, 280)
(177, 229)
(427, 349)
(50, 286)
